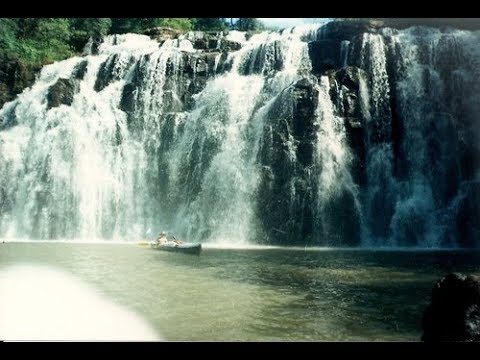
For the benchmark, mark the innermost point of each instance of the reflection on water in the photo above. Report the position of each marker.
(258, 294)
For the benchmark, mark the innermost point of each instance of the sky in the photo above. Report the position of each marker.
(287, 22)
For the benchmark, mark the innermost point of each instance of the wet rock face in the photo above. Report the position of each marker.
(347, 29)
(256, 64)
(14, 77)
(345, 74)
(325, 55)
(286, 155)
(407, 100)
(61, 92)
(182, 81)
(207, 41)
(196, 69)
(454, 311)
(184, 77)
(80, 70)
(345, 93)
(212, 41)
(161, 34)
(109, 72)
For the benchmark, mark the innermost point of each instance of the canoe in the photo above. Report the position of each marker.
(188, 248)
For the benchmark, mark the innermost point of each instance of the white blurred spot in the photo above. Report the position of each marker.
(38, 303)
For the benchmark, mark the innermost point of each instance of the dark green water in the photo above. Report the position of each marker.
(258, 294)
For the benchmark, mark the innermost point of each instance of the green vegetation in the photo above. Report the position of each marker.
(210, 24)
(39, 41)
(137, 25)
(35, 41)
(26, 44)
(249, 24)
(84, 28)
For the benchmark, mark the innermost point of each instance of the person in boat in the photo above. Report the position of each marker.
(177, 242)
(162, 239)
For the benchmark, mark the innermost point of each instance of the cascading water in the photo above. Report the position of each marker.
(380, 180)
(336, 189)
(213, 173)
(435, 98)
(341, 136)
(416, 109)
(130, 155)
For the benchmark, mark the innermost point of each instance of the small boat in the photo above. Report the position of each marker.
(183, 247)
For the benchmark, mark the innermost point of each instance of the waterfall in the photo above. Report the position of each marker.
(336, 190)
(379, 162)
(213, 172)
(414, 172)
(436, 70)
(332, 135)
(138, 149)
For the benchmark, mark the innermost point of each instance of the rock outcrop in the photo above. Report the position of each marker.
(345, 91)
(161, 34)
(389, 127)
(454, 311)
(212, 41)
(286, 155)
(61, 92)
(207, 41)
(182, 81)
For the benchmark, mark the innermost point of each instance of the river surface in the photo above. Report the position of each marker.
(252, 294)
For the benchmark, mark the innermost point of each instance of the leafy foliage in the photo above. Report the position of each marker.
(84, 28)
(210, 24)
(135, 25)
(38, 41)
(249, 24)
(35, 41)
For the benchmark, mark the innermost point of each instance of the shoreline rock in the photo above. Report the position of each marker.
(454, 311)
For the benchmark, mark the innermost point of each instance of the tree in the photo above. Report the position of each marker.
(51, 39)
(92, 26)
(249, 24)
(123, 25)
(26, 26)
(138, 25)
(49, 30)
(37, 41)
(84, 28)
(178, 23)
(210, 24)
(175, 23)
(8, 34)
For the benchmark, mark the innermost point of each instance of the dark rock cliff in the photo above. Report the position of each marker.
(454, 311)
(419, 119)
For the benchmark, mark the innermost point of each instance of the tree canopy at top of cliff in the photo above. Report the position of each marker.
(26, 44)
(38, 41)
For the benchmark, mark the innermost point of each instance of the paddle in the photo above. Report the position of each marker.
(177, 241)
